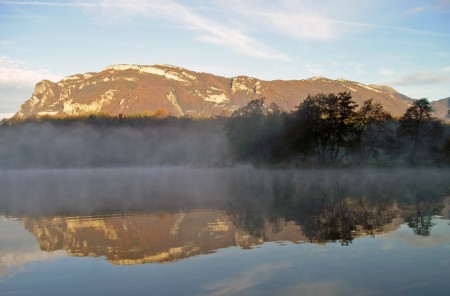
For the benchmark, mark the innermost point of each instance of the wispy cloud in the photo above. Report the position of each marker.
(14, 73)
(50, 3)
(307, 20)
(440, 6)
(301, 26)
(421, 78)
(386, 71)
(443, 54)
(206, 29)
(285, 18)
(6, 115)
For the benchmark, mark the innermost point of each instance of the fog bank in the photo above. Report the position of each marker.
(80, 145)
(94, 191)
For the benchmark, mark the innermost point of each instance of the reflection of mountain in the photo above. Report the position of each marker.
(316, 206)
(162, 237)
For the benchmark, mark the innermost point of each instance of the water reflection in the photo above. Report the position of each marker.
(164, 237)
(148, 238)
(134, 216)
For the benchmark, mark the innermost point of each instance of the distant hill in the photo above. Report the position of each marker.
(441, 108)
(131, 89)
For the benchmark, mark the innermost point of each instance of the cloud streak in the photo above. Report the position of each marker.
(14, 73)
(441, 6)
(50, 3)
(420, 78)
(206, 30)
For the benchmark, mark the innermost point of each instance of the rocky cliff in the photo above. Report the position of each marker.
(131, 89)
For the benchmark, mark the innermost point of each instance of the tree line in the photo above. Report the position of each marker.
(325, 130)
(332, 130)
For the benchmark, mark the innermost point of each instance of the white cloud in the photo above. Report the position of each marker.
(208, 30)
(386, 71)
(6, 115)
(355, 67)
(300, 26)
(293, 19)
(421, 78)
(418, 9)
(441, 6)
(49, 3)
(446, 70)
(14, 73)
(443, 54)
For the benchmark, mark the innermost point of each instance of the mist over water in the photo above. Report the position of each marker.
(372, 223)
(81, 145)
(91, 191)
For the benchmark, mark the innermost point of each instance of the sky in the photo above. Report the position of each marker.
(401, 43)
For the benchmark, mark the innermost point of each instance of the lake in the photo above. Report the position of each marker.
(224, 231)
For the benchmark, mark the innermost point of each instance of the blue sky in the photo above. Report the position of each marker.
(401, 43)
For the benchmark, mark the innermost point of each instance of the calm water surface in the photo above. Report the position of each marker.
(236, 231)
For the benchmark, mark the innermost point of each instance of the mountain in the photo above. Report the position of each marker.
(441, 108)
(132, 89)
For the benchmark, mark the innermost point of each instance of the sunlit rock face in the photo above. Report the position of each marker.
(131, 89)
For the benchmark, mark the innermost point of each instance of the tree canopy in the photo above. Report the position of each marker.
(330, 129)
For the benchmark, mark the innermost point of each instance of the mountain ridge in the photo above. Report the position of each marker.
(131, 89)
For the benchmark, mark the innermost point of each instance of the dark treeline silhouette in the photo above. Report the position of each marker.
(330, 129)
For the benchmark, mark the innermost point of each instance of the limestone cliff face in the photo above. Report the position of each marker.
(131, 89)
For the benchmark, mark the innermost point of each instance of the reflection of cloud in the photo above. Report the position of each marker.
(420, 78)
(405, 235)
(326, 287)
(18, 259)
(246, 280)
(18, 247)
(388, 246)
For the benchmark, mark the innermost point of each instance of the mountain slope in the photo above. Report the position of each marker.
(441, 108)
(132, 89)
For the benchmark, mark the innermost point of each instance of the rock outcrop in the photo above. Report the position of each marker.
(131, 89)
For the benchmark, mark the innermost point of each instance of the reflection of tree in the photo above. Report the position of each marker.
(250, 221)
(342, 219)
(419, 217)
(421, 225)
(331, 206)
